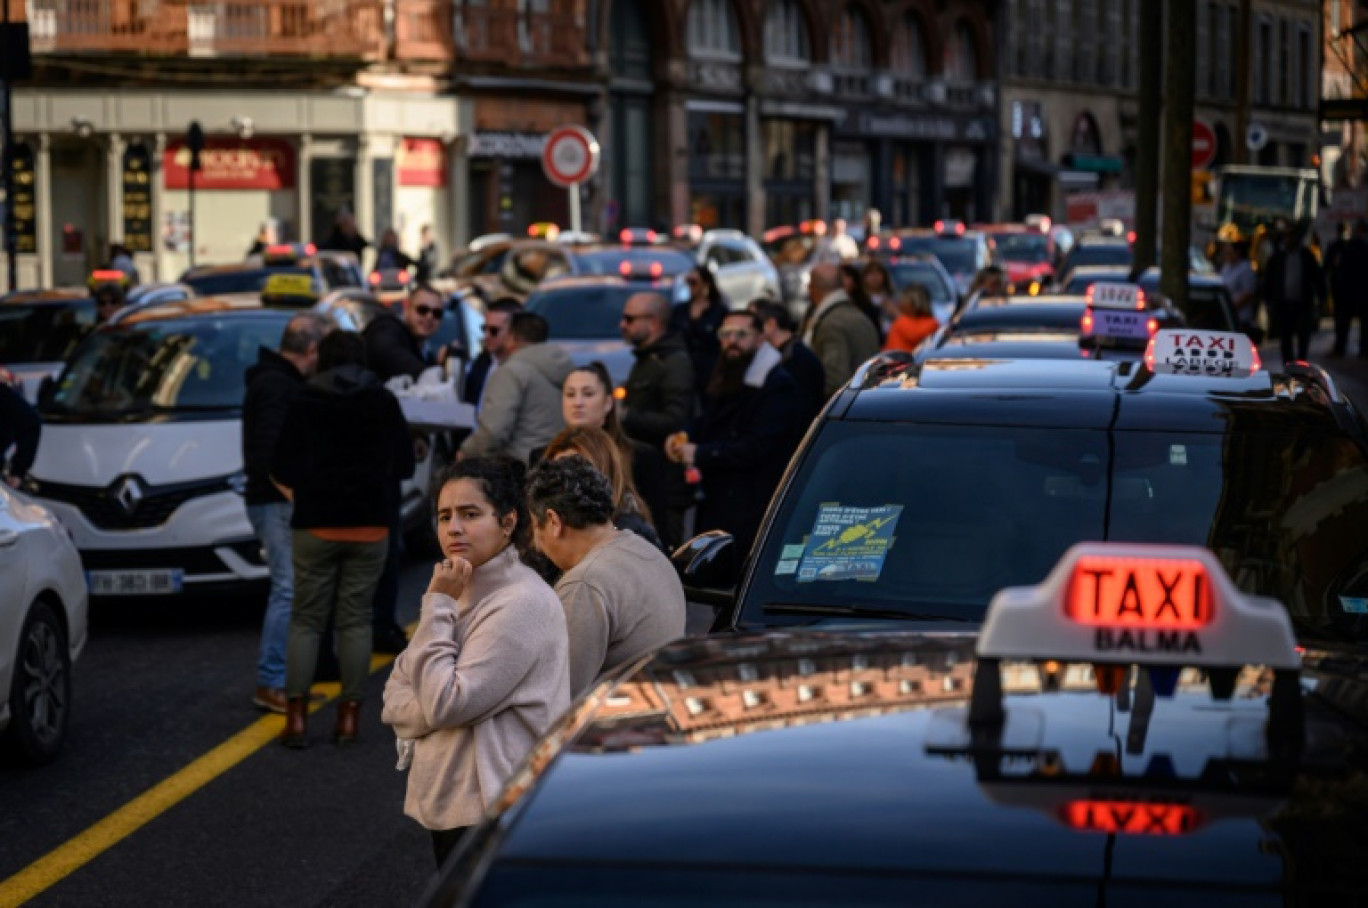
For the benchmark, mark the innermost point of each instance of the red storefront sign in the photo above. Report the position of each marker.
(227, 163)
(421, 162)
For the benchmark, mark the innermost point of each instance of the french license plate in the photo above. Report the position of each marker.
(160, 582)
(1132, 324)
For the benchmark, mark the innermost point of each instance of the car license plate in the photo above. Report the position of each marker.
(1121, 323)
(160, 582)
(1158, 593)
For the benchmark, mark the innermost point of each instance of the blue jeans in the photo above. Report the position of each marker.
(271, 522)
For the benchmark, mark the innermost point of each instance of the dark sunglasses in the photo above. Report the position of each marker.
(428, 311)
(492, 329)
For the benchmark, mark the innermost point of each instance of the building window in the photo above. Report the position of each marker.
(1216, 52)
(713, 30)
(1310, 84)
(1108, 63)
(1263, 50)
(786, 35)
(535, 27)
(961, 57)
(1063, 41)
(1286, 64)
(909, 47)
(1229, 29)
(851, 56)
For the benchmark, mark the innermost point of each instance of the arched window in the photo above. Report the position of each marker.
(909, 48)
(961, 57)
(713, 30)
(850, 48)
(535, 28)
(786, 34)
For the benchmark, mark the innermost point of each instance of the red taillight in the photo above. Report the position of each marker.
(1152, 326)
(1257, 363)
(625, 269)
(375, 277)
(939, 226)
(651, 236)
(895, 243)
(310, 249)
(1149, 354)
(403, 277)
(1140, 300)
(873, 242)
(959, 230)
(279, 249)
(531, 229)
(657, 269)
(625, 236)
(1130, 237)
(805, 227)
(1085, 324)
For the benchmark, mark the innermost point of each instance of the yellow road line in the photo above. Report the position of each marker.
(75, 853)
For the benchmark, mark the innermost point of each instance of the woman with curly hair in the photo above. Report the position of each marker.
(621, 597)
(487, 671)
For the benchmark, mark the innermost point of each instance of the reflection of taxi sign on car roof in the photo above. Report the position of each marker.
(1190, 351)
(1128, 603)
(1116, 312)
(289, 286)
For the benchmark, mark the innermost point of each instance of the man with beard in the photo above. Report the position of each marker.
(741, 441)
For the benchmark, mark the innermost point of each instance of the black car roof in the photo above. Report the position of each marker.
(848, 753)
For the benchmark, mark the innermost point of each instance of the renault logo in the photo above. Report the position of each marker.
(129, 493)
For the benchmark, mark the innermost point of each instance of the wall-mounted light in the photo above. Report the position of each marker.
(82, 127)
(243, 126)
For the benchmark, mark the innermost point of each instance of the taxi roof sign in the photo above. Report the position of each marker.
(292, 286)
(1193, 351)
(1110, 295)
(1139, 603)
(107, 276)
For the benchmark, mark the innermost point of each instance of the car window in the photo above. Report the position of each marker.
(981, 508)
(582, 313)
(1098, 254)
(43, 333)
(164, 367)
(925, 274)
(247, 280)
(1028, 248)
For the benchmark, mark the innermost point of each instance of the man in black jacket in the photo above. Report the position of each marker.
(659, 394)
(342, 454)
(749, 427)
(494, 349)
(1293, 286)
(271, 384)
(798, 359)
(399, 346)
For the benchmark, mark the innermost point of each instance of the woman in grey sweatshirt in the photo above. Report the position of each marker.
(487, 671)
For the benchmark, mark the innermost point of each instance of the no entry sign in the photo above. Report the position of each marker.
(571, 156)
(1203, 145)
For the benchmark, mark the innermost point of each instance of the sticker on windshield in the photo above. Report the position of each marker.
(849, 543)
(788, 559)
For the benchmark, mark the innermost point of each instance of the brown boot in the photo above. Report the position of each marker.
(348, 718)
(296, 723)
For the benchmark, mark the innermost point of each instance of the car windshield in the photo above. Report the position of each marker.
(164, 367)
(583, 313)
(1029, 248)
(935, 519)
(43, 332)
(1099, 254)
(609, 261)
(927, 275)
(248, 280)
(1079, 283)
(956, 255)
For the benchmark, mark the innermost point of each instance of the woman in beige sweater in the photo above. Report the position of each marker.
(487, 671)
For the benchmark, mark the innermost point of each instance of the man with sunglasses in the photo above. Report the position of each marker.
(495, 347)
(399, 345)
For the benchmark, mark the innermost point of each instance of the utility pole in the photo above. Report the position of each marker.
(1180, 77)
(7, 141)
(1150, 49)
(1244, 22)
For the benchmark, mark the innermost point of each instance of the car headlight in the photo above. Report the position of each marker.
(238, 483)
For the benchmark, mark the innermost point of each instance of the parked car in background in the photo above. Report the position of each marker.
(39, 330)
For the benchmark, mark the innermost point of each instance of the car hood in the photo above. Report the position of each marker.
(161, 453)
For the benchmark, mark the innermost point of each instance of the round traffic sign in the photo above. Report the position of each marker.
(1203, 145)
(1256, 137)
(571, 155)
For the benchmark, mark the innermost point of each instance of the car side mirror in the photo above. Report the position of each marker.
(708, 569)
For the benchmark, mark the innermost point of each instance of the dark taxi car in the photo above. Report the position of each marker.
(326, 271)
(1014, 633)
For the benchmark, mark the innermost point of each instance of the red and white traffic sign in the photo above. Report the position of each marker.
(1203, 145)
(570, 156)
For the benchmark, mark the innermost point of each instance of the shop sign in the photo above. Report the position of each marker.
(228, 163)
(25, 204)
(421, 162)
(137, 198)
(517, 145)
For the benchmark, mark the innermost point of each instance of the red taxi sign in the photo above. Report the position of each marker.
(1191, 351)
(1106, 295)
(1138, 603)
(1130, 817)
(107, 276)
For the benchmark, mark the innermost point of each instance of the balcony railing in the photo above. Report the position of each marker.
(437, 30)
(351, 29)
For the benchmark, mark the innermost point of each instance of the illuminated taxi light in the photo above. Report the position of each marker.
(657, 269)
(108, 274)
(403, 277)
(625, 269)
(375, 277)
(310, 248)
(651, 236)
(1034, 289)
(1130, 817)
(1152, 326)
(895, 243)
(1193, 351)
(1085, 324)
(873, 242)
(1130, 237)
(1124, 603)
(280, 249)
(625, 236)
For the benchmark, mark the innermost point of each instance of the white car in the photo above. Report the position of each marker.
(42, 627)
(744, 272)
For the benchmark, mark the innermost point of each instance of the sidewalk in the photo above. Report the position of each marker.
(1350, 372)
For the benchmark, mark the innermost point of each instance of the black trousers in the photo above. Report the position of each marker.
(444, 842)
(1348, 306)
(1295, 321)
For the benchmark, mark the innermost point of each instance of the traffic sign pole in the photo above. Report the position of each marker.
(569, 158)
(574, 208)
